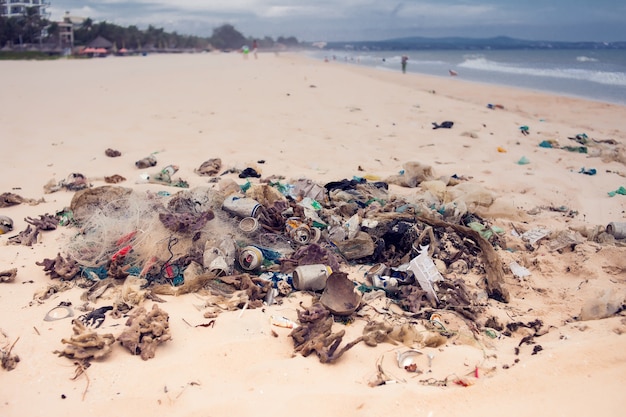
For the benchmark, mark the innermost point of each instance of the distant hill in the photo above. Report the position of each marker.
(500, 42)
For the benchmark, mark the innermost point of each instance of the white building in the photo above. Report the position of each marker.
(13, 8)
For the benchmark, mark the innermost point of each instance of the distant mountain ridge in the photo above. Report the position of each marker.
(499, 42)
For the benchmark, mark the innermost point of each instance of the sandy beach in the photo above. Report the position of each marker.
(290, 116)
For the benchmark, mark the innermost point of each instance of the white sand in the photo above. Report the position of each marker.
(321, 121)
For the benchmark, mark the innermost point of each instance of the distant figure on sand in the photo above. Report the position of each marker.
(255, 48)
(404, 61)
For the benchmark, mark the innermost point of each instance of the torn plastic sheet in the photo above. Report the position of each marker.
(425, 271)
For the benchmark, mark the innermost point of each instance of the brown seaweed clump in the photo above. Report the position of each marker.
(64, 269)
(86, 344)
(315, 335)
(29, 236)
(186, 222)
(114, 179)
(146, 330)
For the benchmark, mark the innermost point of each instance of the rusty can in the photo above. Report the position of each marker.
(249, 225)
(299, 231)
(250, 258)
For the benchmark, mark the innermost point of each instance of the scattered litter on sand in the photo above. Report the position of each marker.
(434, 267)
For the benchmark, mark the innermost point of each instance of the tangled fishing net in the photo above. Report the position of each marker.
(145, 228)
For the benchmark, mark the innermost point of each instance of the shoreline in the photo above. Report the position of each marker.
(489, 82)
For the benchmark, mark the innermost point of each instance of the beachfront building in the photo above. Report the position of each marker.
(66, 34)
(66, 29)
(14, 8)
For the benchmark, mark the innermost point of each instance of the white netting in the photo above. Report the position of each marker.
(131, 220)
(134, 220)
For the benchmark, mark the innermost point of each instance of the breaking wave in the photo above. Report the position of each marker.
(601, 77)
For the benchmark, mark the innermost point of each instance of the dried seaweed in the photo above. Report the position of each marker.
(64, 269)
(185, 222)
(255, 288)
(315, 335)
(114, 179)
(44, 222)
(29, 236)
(310, 255)
(146, 330)
(117, 269)
(86, 343)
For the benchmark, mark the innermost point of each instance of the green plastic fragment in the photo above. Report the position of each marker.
(620, 190)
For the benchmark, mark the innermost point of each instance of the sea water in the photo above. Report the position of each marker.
(595, 74)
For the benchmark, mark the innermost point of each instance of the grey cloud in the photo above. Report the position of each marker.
(370, 19)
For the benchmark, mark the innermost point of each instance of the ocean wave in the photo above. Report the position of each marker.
(601, 77)
(585, 59)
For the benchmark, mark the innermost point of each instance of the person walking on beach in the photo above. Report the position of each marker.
(255, 48)
(404, 61)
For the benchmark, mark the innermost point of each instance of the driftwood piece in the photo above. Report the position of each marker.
(86, 343)
(493, 264)
(146, 330)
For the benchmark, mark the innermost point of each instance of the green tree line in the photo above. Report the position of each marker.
(31, 29)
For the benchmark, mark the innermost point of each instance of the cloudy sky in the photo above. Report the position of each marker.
(352, 20)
